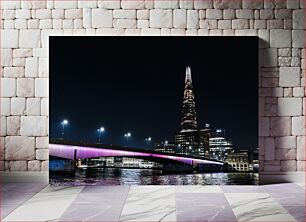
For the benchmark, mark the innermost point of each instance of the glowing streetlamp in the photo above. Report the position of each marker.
(149, 139)
(64, 123)
(100, 131)
(127, 136)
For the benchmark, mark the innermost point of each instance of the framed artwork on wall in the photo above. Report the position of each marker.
(153, 110)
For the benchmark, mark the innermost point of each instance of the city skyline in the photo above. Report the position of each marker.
(82, 130)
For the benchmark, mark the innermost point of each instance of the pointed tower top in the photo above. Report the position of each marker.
(188, 75)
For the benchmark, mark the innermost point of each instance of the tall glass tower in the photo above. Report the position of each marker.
(189, 114)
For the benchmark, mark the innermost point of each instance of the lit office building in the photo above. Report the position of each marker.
(165, 147)
(238, 161)
(219, 147)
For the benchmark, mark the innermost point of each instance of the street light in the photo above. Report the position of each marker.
(64, 123)
(148, 139)
(100, 131)
(127, 136)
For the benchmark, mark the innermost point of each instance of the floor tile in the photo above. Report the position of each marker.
(203, 207)
(283, 188)
(198, 189)
(242, 189)
(257, 207)
(47, 205)
(298, 212)
(290, 199)
(149, 203)
(97, 203)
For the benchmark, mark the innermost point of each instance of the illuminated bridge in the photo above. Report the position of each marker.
(75, 151)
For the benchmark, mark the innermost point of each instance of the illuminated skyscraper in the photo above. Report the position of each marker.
(189, 114)
(190, 141)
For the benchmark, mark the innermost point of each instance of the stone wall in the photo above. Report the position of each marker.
(26, 25)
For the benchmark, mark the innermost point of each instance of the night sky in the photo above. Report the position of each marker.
(136, 84)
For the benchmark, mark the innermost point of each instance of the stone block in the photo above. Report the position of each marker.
(18, 106)
(227, 4)
(298, 126)
(8, 14)
(25, 87)
(66, 4)
(252, 4)
(125, 23)
(45, 165)
(58, 13)
(301, 166)
(280, 126)
(42, 142)
(298, 19)
(269, 148)
(203, 4)
(33, 106)
(29, 38)
(43, 13)
(3, 132)
(187, 4)
(13, 72)
(41, 87)
(160, 18)
(270, 57)
(18, 166)
(19, 148)
(285, 154)
(87, 4)
(109, 4)
(214, 14)
(264, 38)
(143, 14)
(245, 13)
(264, 126)
(298, 38)
(179, 18)
(42, 154)
(20, 63)
(132, 4)
(9, 38)
(229, 14)
(8, 87)
(23, 14)
(298, 92)
(44, 107)
(285, 142)
(124, 14)
(240, 24)
(13, 125)
(34, 165)
(224, 24)
(288, 165)
(271, 168)
(5, 106)
(192, 19)
(280, 38)
(301, 148)
(73, 13)
(102, 18)
(293, 4)
(141, 24)
(289, 76)
(31, 67)
(7, 57)
(166, 4)
(87, 18)
(10, 5)
(150, 32)
(33, 126)
(289, 106)
(43, 67)
(22, 53)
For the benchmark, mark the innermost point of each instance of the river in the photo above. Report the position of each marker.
(117, 176)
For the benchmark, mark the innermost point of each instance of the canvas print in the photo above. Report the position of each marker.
(153, 110)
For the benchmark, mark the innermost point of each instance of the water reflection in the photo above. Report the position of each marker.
(111, 176)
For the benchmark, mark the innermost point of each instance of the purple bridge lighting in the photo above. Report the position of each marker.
(83, 152)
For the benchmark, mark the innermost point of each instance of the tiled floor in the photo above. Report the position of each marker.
(41, 202)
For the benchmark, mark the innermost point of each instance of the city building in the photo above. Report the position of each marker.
(219, 147)
(166, 147)
(238, 161)
(190, 141)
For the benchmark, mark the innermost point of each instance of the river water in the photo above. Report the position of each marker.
(116, 176)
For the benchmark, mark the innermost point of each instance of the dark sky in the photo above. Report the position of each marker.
(136, 84)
